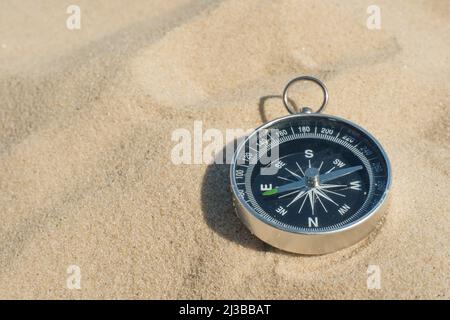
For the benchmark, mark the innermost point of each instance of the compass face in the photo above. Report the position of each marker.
(310, 174)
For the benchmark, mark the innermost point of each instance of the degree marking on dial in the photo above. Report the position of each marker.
(301, 135)
(292, 130)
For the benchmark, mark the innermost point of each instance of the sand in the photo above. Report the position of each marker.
(86, 176)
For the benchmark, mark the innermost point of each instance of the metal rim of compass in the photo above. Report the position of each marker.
(311, 242)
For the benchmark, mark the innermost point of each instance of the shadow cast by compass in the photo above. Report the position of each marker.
(218, 210)
(262, 105)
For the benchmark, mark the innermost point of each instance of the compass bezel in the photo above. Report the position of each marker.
(310, 242)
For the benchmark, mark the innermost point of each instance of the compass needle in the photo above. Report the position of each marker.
(327, 176)
(327, 186)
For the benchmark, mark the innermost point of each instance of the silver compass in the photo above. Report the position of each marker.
(310, 183)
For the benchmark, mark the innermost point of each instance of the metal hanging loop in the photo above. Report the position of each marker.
(291, 108)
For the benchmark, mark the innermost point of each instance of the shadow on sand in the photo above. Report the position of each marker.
(217, 205)
(217, 202)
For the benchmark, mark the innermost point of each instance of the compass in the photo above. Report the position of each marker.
(310, 183)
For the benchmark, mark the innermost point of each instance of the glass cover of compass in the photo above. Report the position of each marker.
(310, 183)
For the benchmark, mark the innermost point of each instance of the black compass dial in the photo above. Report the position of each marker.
(310, 173)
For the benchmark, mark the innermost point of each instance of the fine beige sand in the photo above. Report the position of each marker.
(86, 118)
